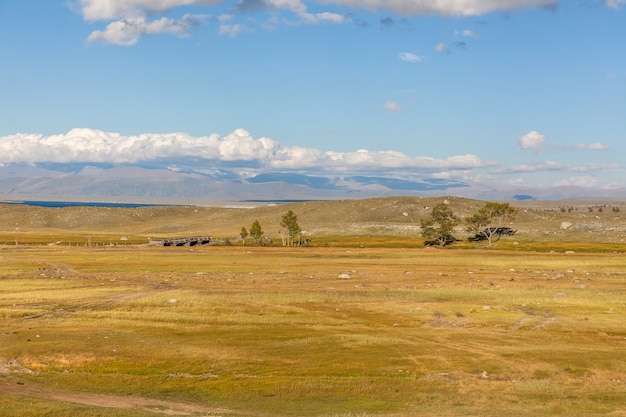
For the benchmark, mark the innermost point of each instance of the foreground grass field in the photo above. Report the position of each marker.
(322, 331)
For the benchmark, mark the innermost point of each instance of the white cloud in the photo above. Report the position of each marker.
(541, 166)
(584, 181)
(330, 17)
(393, 106)
(231, 30)
(594, 167)
(107, 10)
(531, 140)
(410, 57)
(299, 8)
(445, 7)
(557, 166)
(534, 141)
(89, 146)
(468, 33)
(614, 4)
(441, 47)
(129, 20)
(127, 32)
(597, 146)
(240, 146)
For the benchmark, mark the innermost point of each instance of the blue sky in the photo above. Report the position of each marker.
(529, 92)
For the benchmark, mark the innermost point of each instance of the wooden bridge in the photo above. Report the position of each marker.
(188, 241)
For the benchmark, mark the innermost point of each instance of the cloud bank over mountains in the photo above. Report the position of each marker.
(239, 167)
(237, 149)
(135, 165)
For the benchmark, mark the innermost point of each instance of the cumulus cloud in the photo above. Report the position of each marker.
(130, 20)
(410, 57)
(534, 141)
(108, 10)
(239, 148)
(127, 32)
(94, 10)
(531, 140)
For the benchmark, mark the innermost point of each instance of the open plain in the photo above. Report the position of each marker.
(98, 320)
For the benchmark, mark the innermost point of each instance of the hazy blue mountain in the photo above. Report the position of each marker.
(210, 184)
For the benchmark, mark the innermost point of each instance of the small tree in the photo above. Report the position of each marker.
(290, 222)
(487, 222)
(256, 232)
(243, 234)
(439, 227)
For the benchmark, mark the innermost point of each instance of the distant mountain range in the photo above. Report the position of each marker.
(224, 186)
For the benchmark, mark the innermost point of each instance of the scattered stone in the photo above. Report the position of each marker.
(344, 276)
(171, 300)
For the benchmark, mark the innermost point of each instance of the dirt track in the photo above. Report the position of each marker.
(10, 386)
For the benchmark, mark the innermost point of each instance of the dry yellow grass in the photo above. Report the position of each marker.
(277, 332)
(364, 323)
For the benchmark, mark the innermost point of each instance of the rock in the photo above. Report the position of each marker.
(566, 225)
(344, 276)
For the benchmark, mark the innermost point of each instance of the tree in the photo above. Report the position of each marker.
(438, 228)
(243, 234)
(487, 222)
(256, 232)
(290, 222)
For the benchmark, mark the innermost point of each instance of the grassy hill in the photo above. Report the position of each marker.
(389, 221)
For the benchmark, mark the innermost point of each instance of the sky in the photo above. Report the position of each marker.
(524, 92)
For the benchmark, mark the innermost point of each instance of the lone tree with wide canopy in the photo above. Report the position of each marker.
(487, 222)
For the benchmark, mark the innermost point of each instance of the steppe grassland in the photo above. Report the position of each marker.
(277, 331)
